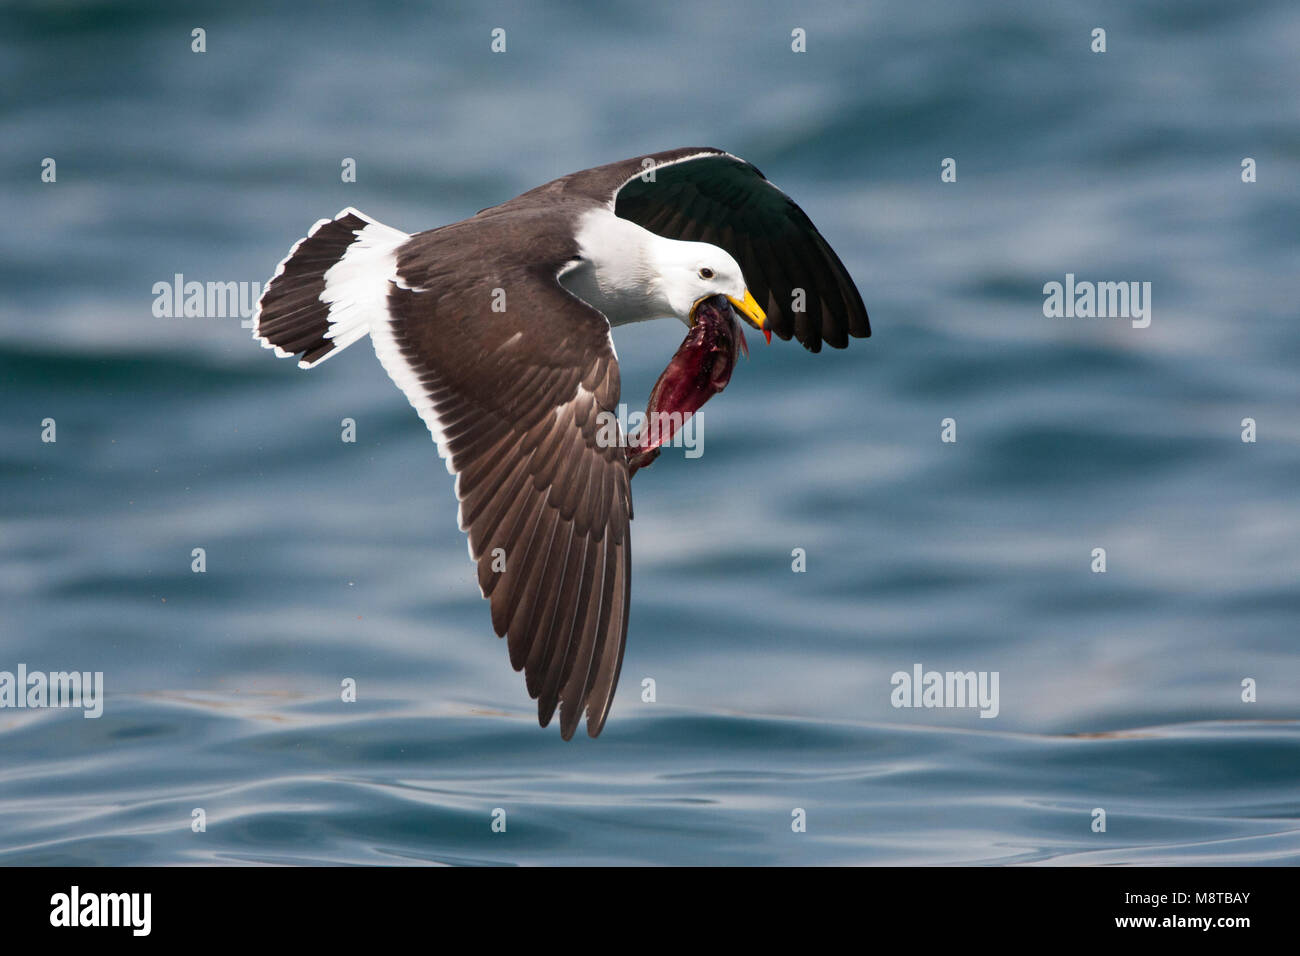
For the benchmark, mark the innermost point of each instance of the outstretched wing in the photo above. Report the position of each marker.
(707, 195)
(511, 373)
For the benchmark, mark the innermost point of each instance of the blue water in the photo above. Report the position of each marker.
(326, 560)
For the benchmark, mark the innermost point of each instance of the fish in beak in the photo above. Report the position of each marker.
(701, 368)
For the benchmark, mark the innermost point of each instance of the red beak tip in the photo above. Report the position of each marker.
(767, 334)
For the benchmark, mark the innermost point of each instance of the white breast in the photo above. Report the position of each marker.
(616, 274)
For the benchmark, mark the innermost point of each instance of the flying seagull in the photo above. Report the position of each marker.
(497, 329)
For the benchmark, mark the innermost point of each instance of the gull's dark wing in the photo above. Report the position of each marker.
(512, 373)
(707, 195)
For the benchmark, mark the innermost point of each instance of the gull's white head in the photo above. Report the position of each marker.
(691, 271)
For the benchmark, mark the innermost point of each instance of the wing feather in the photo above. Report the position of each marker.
(516, 399)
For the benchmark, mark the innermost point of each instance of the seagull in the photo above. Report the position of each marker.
(497, 330)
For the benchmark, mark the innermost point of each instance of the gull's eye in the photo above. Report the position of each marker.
(706, 273)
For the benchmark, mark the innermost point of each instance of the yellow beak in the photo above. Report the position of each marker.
(749, 309)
